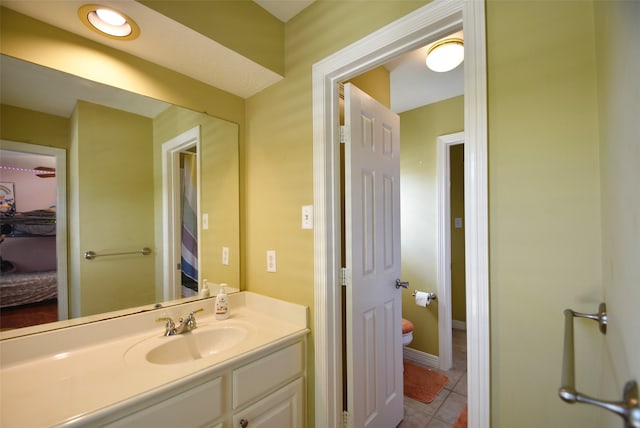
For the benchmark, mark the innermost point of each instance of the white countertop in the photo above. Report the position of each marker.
(91, 375)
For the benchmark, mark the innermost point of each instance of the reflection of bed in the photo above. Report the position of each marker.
(37, 222)
(20, 288)
(28, 253)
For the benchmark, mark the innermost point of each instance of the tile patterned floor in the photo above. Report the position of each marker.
(444, 410)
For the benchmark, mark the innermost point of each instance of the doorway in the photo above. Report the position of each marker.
(180, 214)
(189, 236)
(448, 407)
(34, 248)
(414, 30)
(451, 251)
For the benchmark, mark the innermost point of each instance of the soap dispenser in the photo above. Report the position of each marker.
(222, 304)
(204, 290)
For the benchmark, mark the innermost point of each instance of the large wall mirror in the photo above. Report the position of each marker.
(151, 189)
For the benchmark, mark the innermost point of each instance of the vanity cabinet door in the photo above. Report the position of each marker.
(200, 406)
(256, 379)
(281, 409)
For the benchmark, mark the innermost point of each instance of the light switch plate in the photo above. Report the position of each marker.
(271, 260)
(458, 222)
(225, 256)
(205, 221)
(307, 217)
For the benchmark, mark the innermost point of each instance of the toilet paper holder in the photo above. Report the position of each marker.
(432, 296)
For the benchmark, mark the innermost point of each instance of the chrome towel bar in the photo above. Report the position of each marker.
(90, 255)
(628, 409)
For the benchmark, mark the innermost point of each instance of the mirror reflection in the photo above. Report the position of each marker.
(90, 168)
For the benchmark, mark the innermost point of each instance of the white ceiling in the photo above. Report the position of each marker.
(284, 10)
(177, 47)
(26, 160)
(414, 85)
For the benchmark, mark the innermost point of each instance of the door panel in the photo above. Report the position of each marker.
(281, 409)
(372, 213)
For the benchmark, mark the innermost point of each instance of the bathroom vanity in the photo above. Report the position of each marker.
(246, 371)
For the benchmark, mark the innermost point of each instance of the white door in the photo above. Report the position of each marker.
(372, 221)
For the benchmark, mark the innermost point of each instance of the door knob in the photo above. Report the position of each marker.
(403, 284)
(244, 423)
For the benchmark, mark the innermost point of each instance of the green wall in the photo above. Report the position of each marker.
(544, 206)
(458, 271)
(28, 126)
(376, 83)
(420, 129)
(219, 176)
(111, 208)
(278, 163)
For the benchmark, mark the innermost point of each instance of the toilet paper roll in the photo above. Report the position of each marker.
(422, 299)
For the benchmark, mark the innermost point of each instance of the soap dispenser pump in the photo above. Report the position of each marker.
(222, 308)
(204, 290)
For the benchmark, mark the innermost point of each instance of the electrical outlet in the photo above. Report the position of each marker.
(225, 256)
(271, 260)
(307, 217)
(205, 221)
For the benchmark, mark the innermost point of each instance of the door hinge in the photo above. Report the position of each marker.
(346, 419)
(343, 277)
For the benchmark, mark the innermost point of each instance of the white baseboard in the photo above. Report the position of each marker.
(459, 325)
(421, 357)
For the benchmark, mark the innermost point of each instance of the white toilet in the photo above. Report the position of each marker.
(407, 332)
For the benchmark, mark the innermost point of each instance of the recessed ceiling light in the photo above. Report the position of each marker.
(108, 22)
(445, 55)
(111, 17)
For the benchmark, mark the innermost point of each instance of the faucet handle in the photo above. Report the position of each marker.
(170, 327)
(191, 315)
(191, 319)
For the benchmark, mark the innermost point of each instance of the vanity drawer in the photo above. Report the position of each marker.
(199, 406)
(268, 373)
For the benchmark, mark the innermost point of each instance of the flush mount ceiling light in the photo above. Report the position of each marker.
(445, 54)
(108, 22)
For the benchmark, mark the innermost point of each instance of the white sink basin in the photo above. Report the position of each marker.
(195, 345)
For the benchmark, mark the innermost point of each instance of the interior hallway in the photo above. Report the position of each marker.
(445, 409)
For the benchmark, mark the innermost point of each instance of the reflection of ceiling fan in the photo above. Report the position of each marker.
(46, 172)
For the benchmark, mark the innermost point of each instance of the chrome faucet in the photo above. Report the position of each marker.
(185, 325)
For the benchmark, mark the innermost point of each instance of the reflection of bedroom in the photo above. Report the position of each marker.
(28, 285)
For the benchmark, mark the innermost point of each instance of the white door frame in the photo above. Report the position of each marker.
(61, 215)
(171, 215)
(416, 29)
(445, 142)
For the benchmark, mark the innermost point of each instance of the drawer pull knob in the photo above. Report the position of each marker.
(244, 423)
